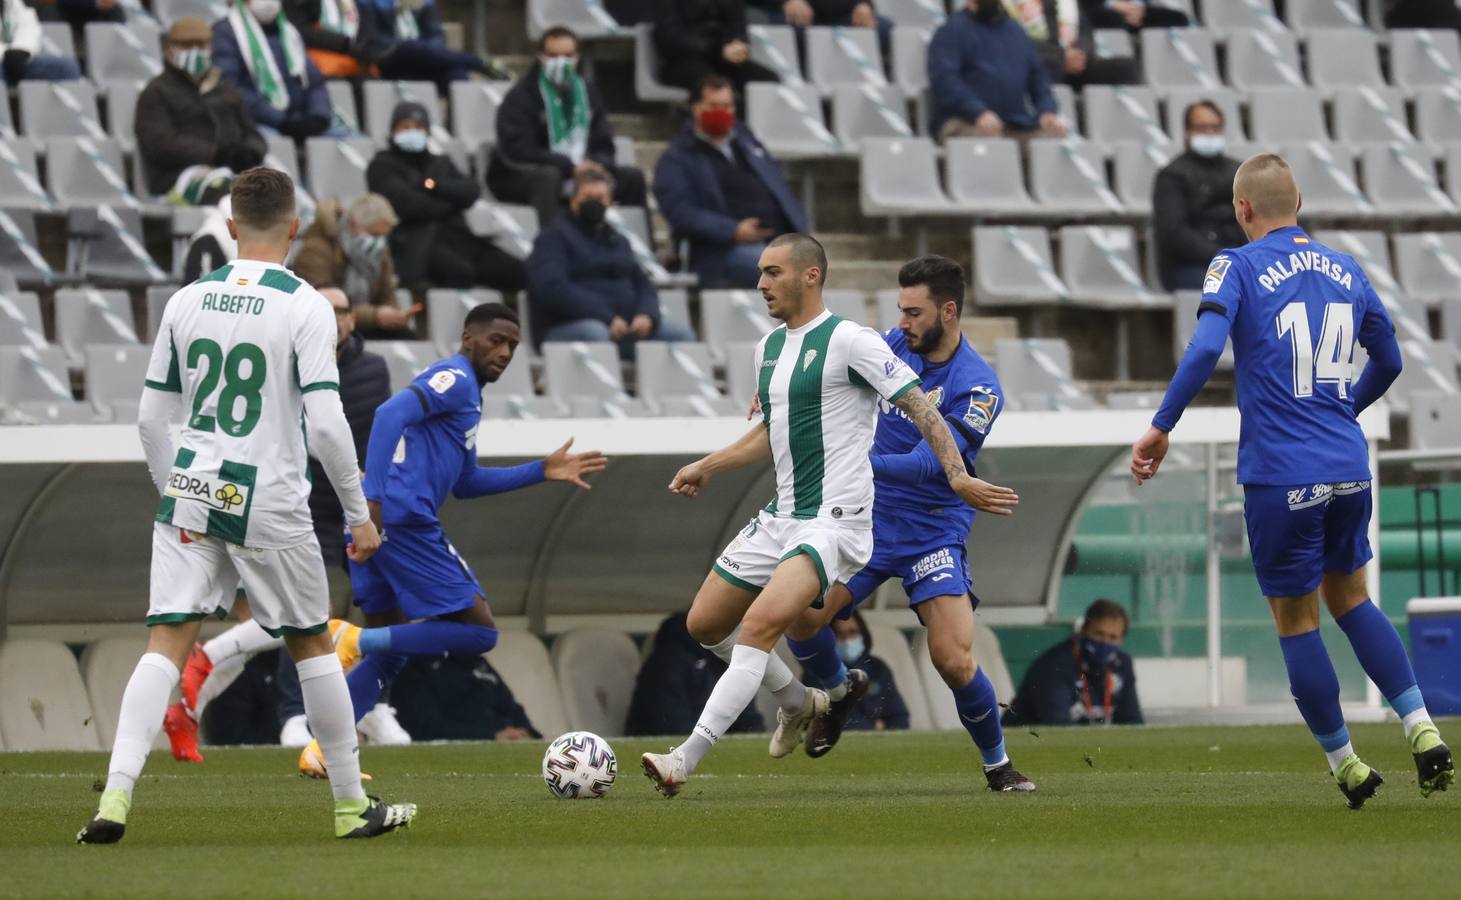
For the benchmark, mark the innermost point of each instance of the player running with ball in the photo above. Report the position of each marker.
(819, 379)
(1294, 309)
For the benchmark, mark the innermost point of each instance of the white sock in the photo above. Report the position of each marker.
(143, 704)
(779, 680)
(245, 638)
(733, 693)
(1336, 757)
(332, 719)
(218, 680)
(1417, 717)
(724, 648)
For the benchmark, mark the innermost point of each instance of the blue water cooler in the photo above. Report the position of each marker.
(1435, 648)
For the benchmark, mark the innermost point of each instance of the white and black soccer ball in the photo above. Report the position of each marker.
(579, 765)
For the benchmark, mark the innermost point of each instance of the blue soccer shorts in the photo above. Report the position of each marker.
(416, 570)
(934, 564)
(1300, 533)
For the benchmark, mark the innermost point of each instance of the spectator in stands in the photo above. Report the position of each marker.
(722, 192)
(77, 13)
(1192, 202)
(674, 683)
(1063, 39)
(332, 36)
(584, 283)
(1133, 15)
(550, 125)
(1083, 680)
(415, 45)
(882, 707)
(432, 246)
(845, 13)
(351, 251)
(696, 38)
(189, 117)
(983, 76)
(211, 246)
(20, 48)
(247, 711)
(263, 55)
(1422, 14)
(458, 697)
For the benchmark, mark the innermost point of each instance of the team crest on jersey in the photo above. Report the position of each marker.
(224, 496)
(808, 359)
(442, 381)
(983, 407)
(1216, 272)
(936, 396)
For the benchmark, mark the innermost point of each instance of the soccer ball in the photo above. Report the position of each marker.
(579, 765)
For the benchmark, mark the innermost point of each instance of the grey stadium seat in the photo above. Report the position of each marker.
(1113, 43)
(1013, 265)
(1451, 321)
(1401, 180)
(446, 310)
(1065, 107)
(337, 167)
(674, 306)
(474, 113)
(35, 387)
(740, 373)
(380, 97)
(1425, 58)
(405, 359)
(848, 303)
(1277, 115)
(1429, 366)
(586, 377)
(90, 316)
(729, 317)
(588, 19)
(106, 247)
(44, 705)
(56, 40)
(867, 110)
(900, 178)
(513, 228)
(1136, 167)
(20, 253)
(1036, 373)
(1307, 15)
(1368, 115)
(157, 297)
(843, 56)
(893, 650)
(106, 665)
(1121, 115)
(522, 661)
(20, 320)
(114, 376)
(985, 177)
(679, 380)
(886, 302)
(20, 183)
(647, 86)
(633, 223)
(7, 125)
(121, 105)
(1232, 17)
(169, 11)
(1184, 323)
(1438, 116)
(1429, 264)
(918, 13)
(940, 699)
(596, 670)
(343, 107)
(1327, 173)
(910, 58)
(59, 108)
(1452, 161)
(1371, 249)
(512, 396)
(1179, 56)
(1100, 265)
(1342, 56)
(87, 173)
(1068, 178)
(1226, 99)
(774, 46)
(1435, 420)
(123, 52)
(789, 119)
(1263, 59)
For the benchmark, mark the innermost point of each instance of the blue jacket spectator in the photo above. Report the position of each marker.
(674, 683)
(458, 697)
(584, 283)
(722, 191)
(984, 75)
(882, 708)
(1084, 680)
(416, 42)
(283, 92)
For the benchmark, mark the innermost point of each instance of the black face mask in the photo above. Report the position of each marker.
(591, 213)
(988, 10)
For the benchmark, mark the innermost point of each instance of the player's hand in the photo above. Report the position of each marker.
(691, 480)
(571, 467)
(986, 497)
(364, 541)
(1147, 454)
(755, 409)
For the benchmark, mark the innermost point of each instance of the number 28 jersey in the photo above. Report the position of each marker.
(243, 345)
(1297, 308)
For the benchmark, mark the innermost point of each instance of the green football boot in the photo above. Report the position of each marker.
(370, 817)
(1434, 769)
(1357, 781)
(110, 822)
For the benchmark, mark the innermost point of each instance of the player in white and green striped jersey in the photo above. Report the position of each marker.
(819, 378)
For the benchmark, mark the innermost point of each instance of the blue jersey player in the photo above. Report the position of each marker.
(1295, 309)
(419, 596)
(920, 529)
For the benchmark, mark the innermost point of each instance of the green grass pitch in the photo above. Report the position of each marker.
(1156, 812)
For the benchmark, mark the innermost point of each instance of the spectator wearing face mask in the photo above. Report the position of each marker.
(721, 191)
(258, 51)
(351, 251)
(584, 283)
(432, 246)
(1083, 680)
(1192, 202)
(698, 38)
(552, 124)
(1066, 45)
(882, 707)
(188, 117)
(20, 48)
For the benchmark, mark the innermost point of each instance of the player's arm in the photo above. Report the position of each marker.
(752, 447)
(404, 409)
(981, 404)
(162, 396)
(560, 465)
(1377, 336)
(976, 492)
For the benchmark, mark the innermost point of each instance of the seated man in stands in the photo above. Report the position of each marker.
(1192, 202)
(263, 55)
(1133, 15)
(552, 123)
(674, 683)
(1083, 680)
(432, 246)
(414, 44)
(20, 48)
(188, 117)
(352, 252)
(77, 13)
(842, 13)
(722, 192)
(1067, 49)
(698, 38)
(584, 283)
(332, 36)
(984, 75)
(882, 707)
(458, 697)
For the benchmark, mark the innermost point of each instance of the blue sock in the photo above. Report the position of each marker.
(369, 678)
(821, 666)
(428, 638)
(979, 711)
(1316, 690)
(1382, 654)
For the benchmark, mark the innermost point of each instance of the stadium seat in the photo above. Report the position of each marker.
(740, 372)
(1233, 17)
(1429, 366)
(123, 52)
(1175, 57)
(381, 97)
(1178, 99)
(774, 46)
(1278, 115)
(57, 40)
(985, 178)
(20, 320)
(1100, 265)
(446, 310)
(121, 110)
(512, 396)
(867, 110)
(647, 86)
(886, 302)
(1327, 173)
(899, 177)
(105, 247)
(910, 59)
(679, 380)
(512, 227)
(1343, 57)
(7, 125)
(474, 116)
(1371, 249)
(1451, 322)
(1148, 400)
(1112, 43)
(789, 120)
(1438, 118)
(523, 663)
(587, 18)
(1401, 181)
(674, 306)
(405, 359)
(838, 55)
(1369, 115)
(587, 379)
(114, 376)
(87, 173)
(728, 317)
(1135, 172)
(1451, 159)
(90, 316)
(1184, 323)
(337, 167)
(1307, 15)
(1263, 58)
(1068, 179)
(1429, 264)
(20, 253)
(1122, 115)
(106, 666)
(169, 11)
(940, 699)
(59, 109)
(888, 644)
(1013, 265)
(20, 183)
(633, 223)
(1065, 107)
(157, 297)
(283, 154)
(596, 670)
(626, 150)
(848, 303)
(343, 106)
(1422, 58)
(1435, 420)
(1036, 373)
(926, 14)
(44, 705)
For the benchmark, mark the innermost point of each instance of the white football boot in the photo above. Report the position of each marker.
(666, 770)
(791, 728)
(379, 726)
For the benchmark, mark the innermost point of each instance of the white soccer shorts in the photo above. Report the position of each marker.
(838, 550)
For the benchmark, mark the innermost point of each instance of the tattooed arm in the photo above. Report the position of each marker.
(976, 492)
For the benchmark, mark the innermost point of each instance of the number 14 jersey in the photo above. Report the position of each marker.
(243, 345)
(1297, 309)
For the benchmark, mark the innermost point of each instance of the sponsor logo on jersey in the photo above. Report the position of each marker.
(890, 367)
(768, 363)
(983, 407)
(808, 359)
(1301, 498)
(1217, 270)
(471, 439)
(936, 396)
(939, 559)
(224, 496)
(442, 381)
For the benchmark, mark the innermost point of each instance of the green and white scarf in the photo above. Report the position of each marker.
(263, 69)
(567, 127)
(340, 17)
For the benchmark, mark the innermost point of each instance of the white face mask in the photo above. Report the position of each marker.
(266, 11)
(196, 61)
(1208, 145)
(412, 140)
(559, 68)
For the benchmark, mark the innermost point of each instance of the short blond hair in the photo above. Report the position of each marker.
(1267, 183)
